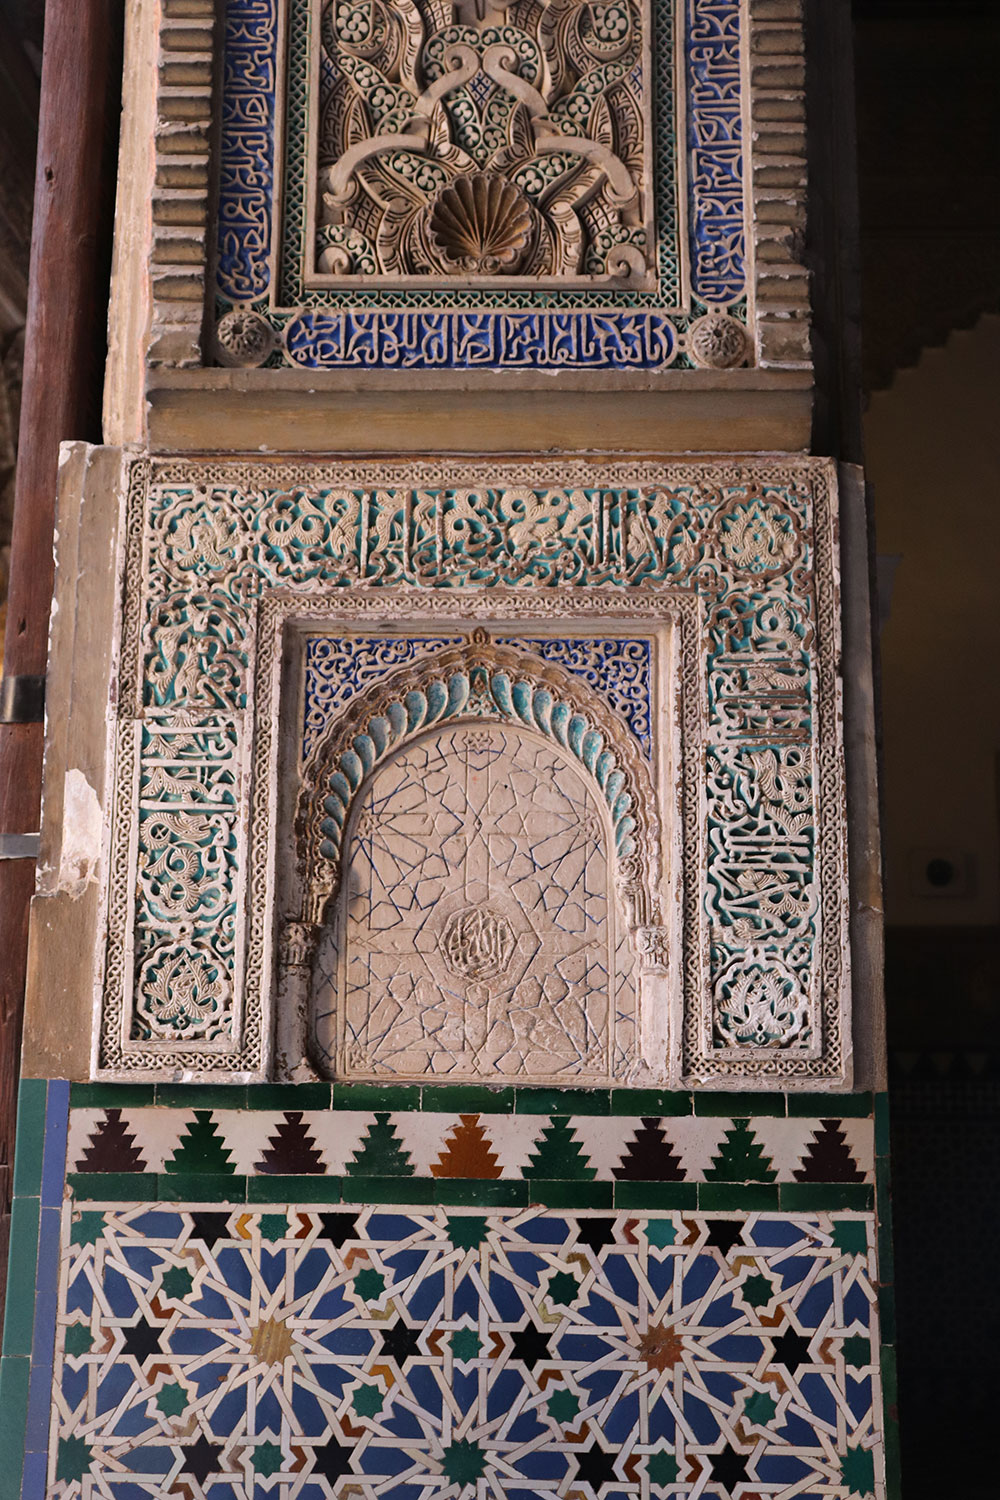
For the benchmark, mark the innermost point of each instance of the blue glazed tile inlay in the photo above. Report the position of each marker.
(524, 1349)
(587, 326)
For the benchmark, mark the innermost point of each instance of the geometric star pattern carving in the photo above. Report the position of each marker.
(475, 826)
(453, 1370)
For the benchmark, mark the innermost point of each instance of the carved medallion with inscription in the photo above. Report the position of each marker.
(478, 943)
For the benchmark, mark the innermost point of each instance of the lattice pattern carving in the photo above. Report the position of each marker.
(483, 184)
(476, 937)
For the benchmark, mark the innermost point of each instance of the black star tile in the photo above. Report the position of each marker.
(530, 1345)
(596, 1233)
(791, 1349)
(724, 1233)
(141, 1340)
(201, 1459)
(332, 1462)
(400, 1342)
(729, 1468)
(338, 1228)
(209, 1227)
(596, 1468)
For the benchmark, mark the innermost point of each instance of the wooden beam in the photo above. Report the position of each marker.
(64, 348)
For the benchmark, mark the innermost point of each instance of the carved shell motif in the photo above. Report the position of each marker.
(480, 224)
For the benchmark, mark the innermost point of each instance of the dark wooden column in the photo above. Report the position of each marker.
(64, 346)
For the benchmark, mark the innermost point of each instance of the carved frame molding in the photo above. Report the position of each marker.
(741, 554)
(181, 258)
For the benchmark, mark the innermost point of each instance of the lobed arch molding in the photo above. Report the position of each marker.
(479, 681)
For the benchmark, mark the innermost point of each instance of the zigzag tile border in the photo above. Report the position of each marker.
(473, 1158)
(307, 1142)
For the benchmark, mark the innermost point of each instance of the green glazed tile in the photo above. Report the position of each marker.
(467, 1099)
(458, 1192)
(656, 1195)
(887, 1365)
(887, 1313)
(29, 1144)
(890, 1398)
(14, 1376)
(740, 1156)
(202, 1187)
(111, 1095)
(201, 1148)
(754, 1197)
(380, 1152)
(886, 1251)
(850, 1236)
(314, 1189)
(288, 1095)
(369, 1190)
(883, 1188)
(825, 1197)
(201, 1096)
(650, 1102)
(830, 1106)
(550, 1194)
(563, 1102)
(20, 1314)
(376, 1096)
(118, 1187)
(558, 1154)
(881, 1124)
(741, 1106)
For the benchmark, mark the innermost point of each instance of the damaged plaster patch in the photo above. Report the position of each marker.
(80, 851)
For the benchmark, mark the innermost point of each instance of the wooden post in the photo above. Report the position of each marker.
(64, 347)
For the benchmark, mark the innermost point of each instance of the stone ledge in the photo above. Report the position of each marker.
(383, 411)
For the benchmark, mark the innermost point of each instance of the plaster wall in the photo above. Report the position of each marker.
(933, 462)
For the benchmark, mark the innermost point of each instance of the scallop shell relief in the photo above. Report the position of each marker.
(480, 225)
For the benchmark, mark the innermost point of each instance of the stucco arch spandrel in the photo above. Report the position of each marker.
(480, 681)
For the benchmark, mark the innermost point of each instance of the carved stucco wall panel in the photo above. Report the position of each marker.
(507, 975)
(460, 187)
(678, 620)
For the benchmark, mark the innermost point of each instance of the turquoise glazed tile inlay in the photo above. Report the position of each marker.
(684, 683)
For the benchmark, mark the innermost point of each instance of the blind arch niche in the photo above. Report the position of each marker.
(482, 857)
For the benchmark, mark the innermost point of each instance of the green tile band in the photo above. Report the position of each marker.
(30, 1138)
(478, 1098)
(20, 1311)
(14, 1379)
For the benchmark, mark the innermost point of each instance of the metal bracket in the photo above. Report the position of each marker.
(19, 845)
(22, 699)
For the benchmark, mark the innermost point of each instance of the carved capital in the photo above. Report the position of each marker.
(298, 944)
(653, 948)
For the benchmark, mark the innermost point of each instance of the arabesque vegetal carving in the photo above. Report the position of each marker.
(486, 139)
